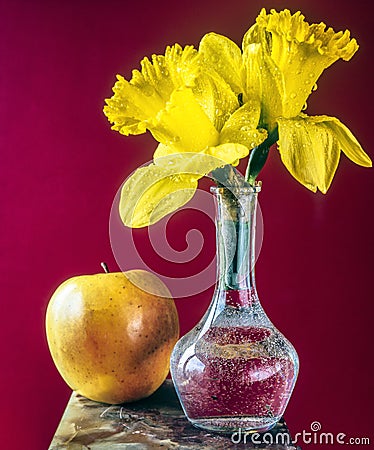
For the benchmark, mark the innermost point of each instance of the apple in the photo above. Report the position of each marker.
(111, 334)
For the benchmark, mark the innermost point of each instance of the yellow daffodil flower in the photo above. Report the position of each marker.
(197, 120)
(281, 59)
(210, 107)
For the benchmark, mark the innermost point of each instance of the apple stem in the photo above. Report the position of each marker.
(105, 267)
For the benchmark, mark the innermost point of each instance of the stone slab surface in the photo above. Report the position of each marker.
(157, 422)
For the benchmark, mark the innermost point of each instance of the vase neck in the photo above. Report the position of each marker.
(236, 234)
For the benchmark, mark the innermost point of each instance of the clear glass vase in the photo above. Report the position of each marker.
(234, 370)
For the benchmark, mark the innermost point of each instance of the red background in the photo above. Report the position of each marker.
(61, 166)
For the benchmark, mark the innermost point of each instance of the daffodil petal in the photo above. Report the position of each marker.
(201, 162)
(137, 101)
(215, 97)
(158, 189)
(347, 141)
(184, 124)
(252, 61)
(263, 77)
(242, 128)
(164, 150)
(299, 51)
(229, 153)
(152, 192)
(224, 57)
(309, 150)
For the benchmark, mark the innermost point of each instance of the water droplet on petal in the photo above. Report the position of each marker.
(304, 107)
(314, 88)
(293, 95)
(245, 128)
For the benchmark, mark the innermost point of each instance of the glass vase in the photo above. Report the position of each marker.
(234, 370)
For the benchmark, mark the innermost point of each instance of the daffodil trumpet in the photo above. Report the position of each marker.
(210, 107)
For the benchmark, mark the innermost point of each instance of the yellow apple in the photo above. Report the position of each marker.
(110, 339)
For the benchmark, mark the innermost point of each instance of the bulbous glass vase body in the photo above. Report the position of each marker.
(234, 370)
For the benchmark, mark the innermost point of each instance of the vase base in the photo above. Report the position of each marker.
(231, 424)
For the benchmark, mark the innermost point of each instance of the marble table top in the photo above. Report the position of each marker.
(157, 422)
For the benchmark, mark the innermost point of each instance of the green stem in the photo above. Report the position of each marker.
(259, 156)
(227, 176)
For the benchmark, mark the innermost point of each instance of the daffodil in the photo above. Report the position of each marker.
(196, 118)
(281, 59)
(210, 107)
